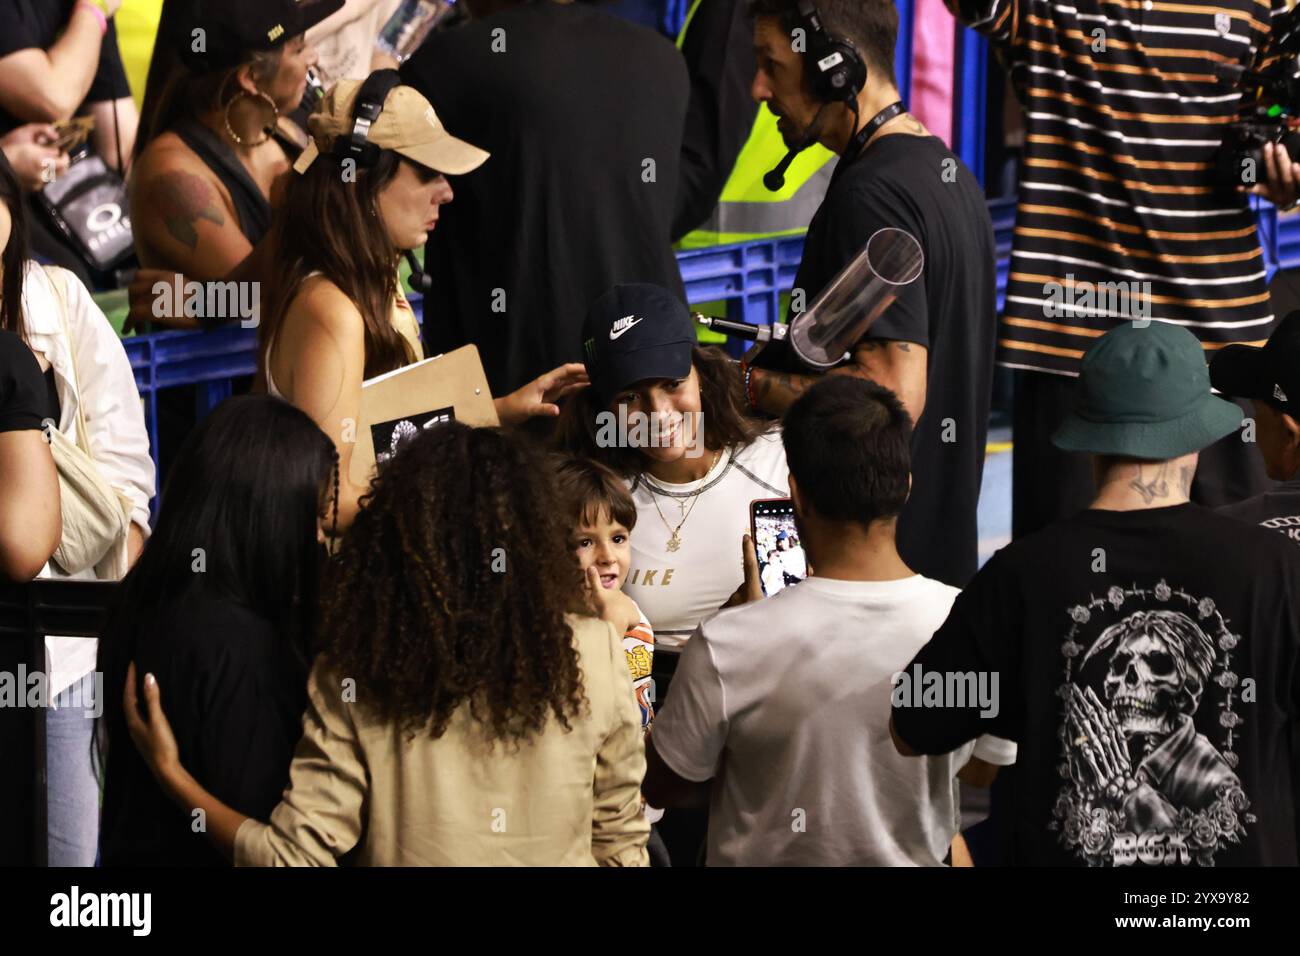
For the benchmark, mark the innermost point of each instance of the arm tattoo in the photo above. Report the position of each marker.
(184, 199)
(777, 391)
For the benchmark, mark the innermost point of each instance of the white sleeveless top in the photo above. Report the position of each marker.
(403, 321)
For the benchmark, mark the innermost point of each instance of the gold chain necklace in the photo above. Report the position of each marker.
(675, 539)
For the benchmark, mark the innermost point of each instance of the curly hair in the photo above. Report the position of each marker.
(452, 587)
(726, 418)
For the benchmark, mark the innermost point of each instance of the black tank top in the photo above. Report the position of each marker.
(251, 206)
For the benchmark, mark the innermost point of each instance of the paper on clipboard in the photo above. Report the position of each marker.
(450, 385)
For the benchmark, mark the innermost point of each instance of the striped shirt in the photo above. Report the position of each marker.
(1119, 215)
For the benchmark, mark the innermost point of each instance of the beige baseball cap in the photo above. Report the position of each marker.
(408, 126)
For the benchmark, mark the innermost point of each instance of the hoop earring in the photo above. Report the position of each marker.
(266, 130)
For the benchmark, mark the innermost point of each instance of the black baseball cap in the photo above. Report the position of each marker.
(636, 332)
(234, 28)
(1270, 372)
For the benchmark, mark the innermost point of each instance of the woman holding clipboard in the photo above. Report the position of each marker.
(368, 189)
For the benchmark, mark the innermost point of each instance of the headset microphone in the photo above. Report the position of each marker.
(774, 178)
(420, 280)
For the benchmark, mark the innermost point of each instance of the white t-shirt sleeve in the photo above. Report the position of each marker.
(691, 728)
(995, 750)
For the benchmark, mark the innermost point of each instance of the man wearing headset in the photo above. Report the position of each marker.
(826, 71)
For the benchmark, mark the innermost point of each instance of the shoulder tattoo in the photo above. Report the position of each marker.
(184, 199)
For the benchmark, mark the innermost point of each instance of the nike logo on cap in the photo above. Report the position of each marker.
(622, 325)
(1279, 394)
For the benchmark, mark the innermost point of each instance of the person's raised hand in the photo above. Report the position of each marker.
(1281, 182)
(751, 589)
(611, 604)
(541, 395)
(31, 152)
(151, 734)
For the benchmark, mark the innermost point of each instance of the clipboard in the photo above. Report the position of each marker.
(450, 383)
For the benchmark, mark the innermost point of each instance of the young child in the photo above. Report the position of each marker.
(602, 515)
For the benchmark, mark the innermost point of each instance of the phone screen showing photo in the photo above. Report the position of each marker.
(781, 558)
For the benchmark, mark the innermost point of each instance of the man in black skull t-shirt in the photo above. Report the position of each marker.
(1147, 647)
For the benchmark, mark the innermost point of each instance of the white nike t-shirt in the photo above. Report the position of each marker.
(678, 589)
(785, 704)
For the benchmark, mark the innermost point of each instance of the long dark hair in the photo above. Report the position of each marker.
(332, 226)
(247, 490)
(14, 258)
(451, 587)
(726, 419)
(173, 91)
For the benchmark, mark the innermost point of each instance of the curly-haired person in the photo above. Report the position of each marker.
(460, 713)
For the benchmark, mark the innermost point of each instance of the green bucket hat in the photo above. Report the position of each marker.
(1144, 392)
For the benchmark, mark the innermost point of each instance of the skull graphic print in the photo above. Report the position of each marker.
(1144, 783)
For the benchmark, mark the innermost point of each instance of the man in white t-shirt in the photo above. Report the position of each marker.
(784, 704)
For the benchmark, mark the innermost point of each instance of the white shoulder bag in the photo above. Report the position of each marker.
(96, 517)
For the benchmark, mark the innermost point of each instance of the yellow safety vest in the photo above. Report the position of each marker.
(746, 209)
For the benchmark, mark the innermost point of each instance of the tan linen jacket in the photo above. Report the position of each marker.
(558, 799)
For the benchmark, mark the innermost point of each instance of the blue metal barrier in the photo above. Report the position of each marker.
(970, 100)
(903, 50)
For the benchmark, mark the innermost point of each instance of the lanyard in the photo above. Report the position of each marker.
(854, 149)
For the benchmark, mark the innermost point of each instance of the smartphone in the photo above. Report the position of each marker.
(781, 558)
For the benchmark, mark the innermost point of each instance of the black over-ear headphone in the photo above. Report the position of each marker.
(365, 110)
(357, 146)
(835, 68)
